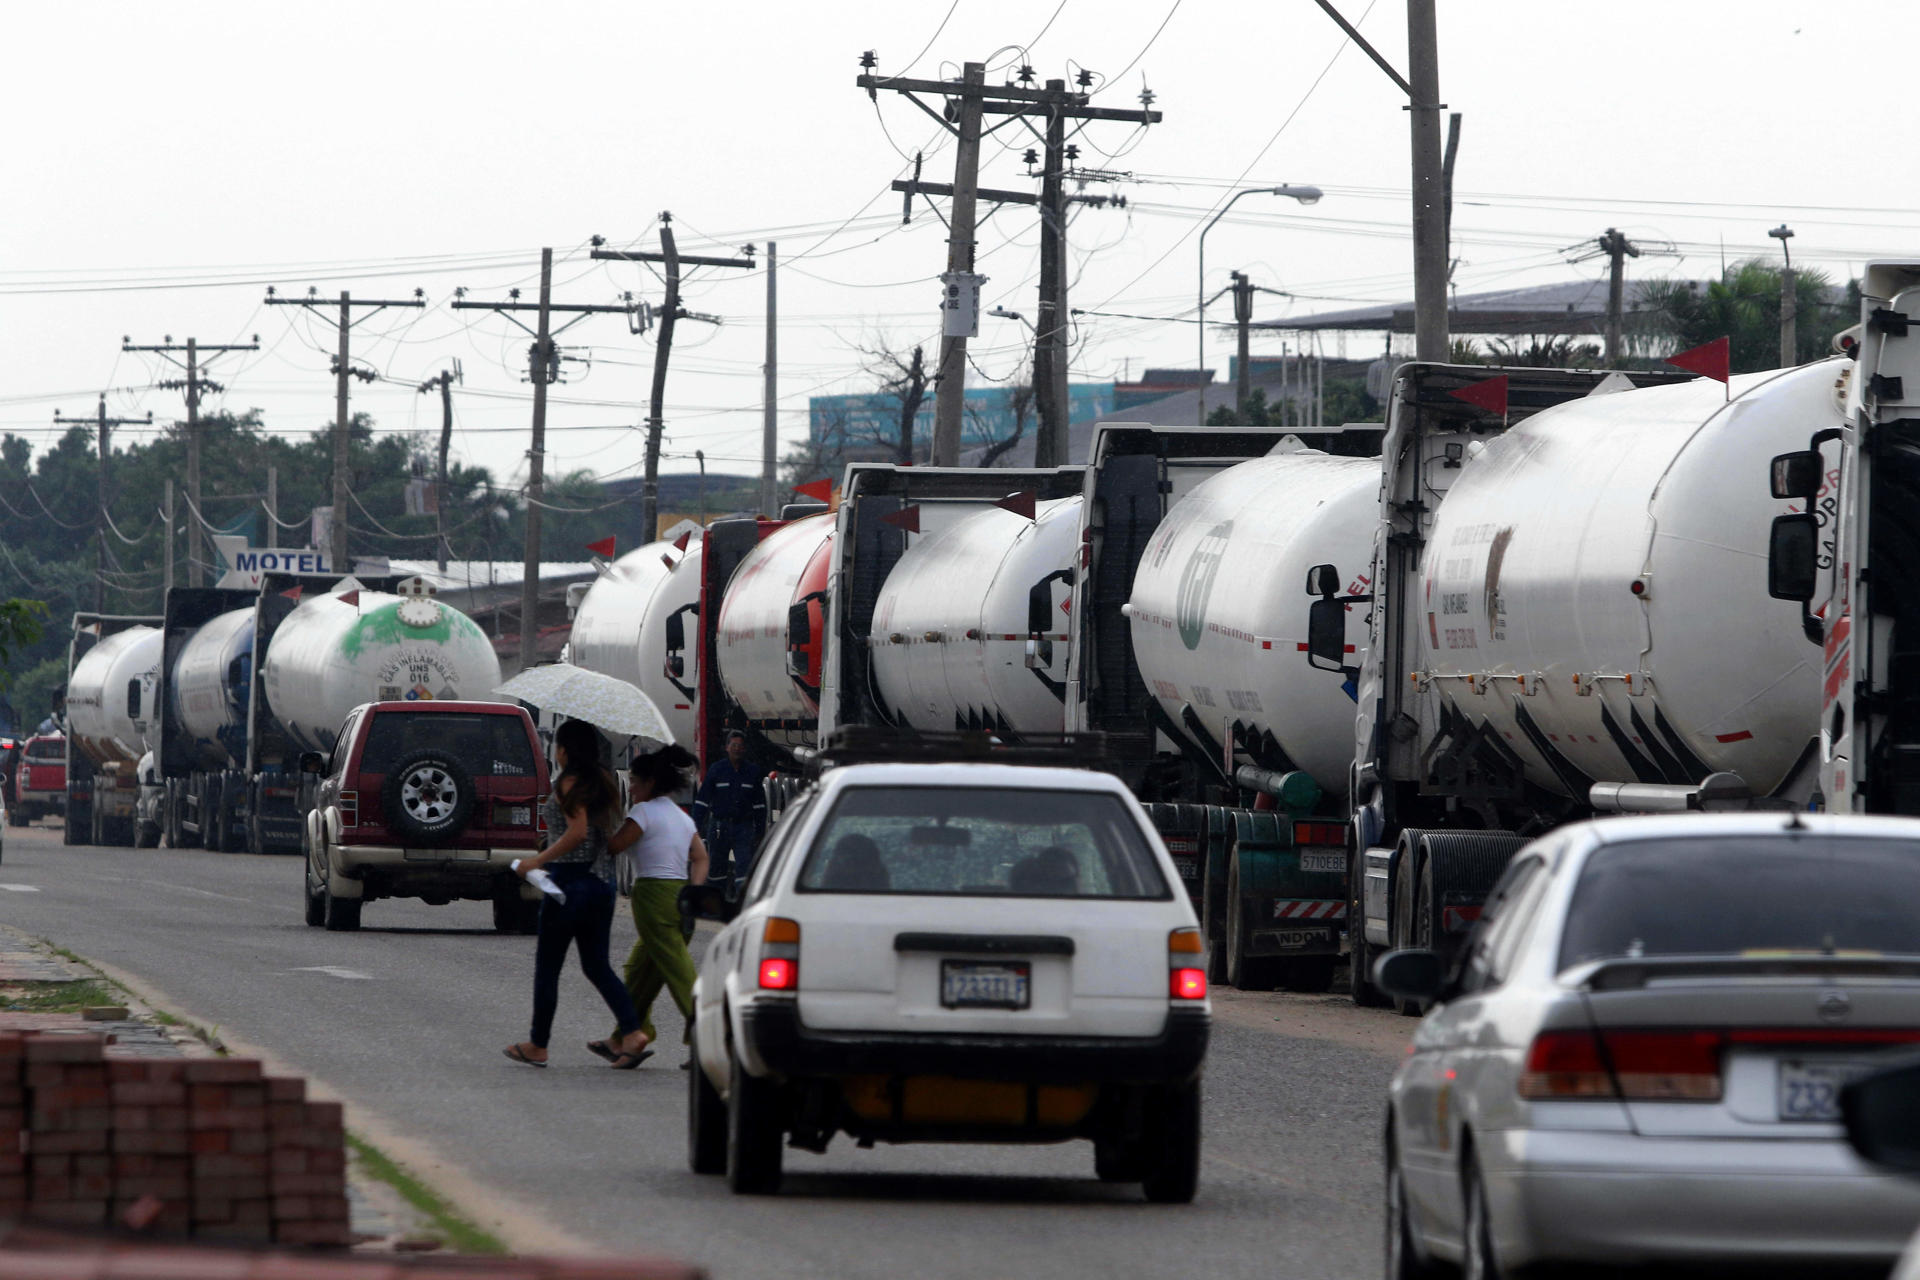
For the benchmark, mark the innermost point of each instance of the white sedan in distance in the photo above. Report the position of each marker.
(955, 952)
(1640, 1056)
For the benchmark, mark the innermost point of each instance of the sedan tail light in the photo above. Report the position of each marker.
(1185, 979)
(1633, 1066)
(780, 955)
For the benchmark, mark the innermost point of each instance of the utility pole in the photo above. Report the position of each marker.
(193, 384)
(1242, 317)
(969, 98)
(273, 507)
(669, 254)
(167, 581)
(105, 425)
(1789, 302)
(443, 380)
(1618, 249)
(700, 456)
(1421, 84)
(342, 423)
(543, 367)
(769, 421)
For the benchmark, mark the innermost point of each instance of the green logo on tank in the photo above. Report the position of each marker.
(1196, 584)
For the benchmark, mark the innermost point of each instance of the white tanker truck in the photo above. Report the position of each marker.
(618, 631)
(113, 667)
(1569, 614)
(251, 680)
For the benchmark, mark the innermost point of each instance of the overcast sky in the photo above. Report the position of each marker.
(168, 163)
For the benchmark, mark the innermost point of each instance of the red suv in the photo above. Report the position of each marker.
(429, 800)
(42, 785)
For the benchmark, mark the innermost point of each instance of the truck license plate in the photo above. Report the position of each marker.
(1811, 1090)
(969, 984)
(1322, 860)
(1189, 868)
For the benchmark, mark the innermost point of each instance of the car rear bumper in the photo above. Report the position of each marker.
(777, 1042)
(1621, 1198)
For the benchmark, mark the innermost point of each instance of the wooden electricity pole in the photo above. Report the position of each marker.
(543, 368)
(669, 254)
(444, 380)
(104, 425)
(769, 420)
(193, 384)
(342, 423)
(1618, 249)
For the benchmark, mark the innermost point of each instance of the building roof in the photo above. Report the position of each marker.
(1570, 307)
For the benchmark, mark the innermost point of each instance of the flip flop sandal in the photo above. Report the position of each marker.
(602, 1049)
(518, 1054)
(628, 1061)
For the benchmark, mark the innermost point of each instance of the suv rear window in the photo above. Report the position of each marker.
(1747, 894)
(977, 841)
(488, 745)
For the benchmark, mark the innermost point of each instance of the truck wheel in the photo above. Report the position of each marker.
(213, 816)
(146, 835)
(755, 1130)
(1311, 974)
(706, 1122)
(16, 817)
(1170, 1149)
(1360, 951)
(1419, 931)
(1249, 973)
(427, 797)
(342, 914)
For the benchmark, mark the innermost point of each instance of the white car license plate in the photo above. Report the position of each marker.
(1811, 1090)
(970, 984)
(1314, 860)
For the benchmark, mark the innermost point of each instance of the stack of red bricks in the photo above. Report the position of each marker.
(207, 1147)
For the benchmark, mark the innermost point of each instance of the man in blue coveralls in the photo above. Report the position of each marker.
(731, 810)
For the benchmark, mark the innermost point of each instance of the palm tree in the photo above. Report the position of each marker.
(1744, 305)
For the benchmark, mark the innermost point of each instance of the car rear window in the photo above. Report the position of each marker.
(56, 749)
(486, 744)
(982, 841)
(1748, 894)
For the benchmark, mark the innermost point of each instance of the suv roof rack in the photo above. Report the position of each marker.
(872, 744)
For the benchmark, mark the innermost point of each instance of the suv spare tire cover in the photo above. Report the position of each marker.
(427, 797)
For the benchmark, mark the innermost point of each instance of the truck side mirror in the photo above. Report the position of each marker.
(676, 632)
(799, 626)
(1327, 634)
(676, 666)
(133, 699)
(1323, 580)
(1792, 560)
(1797, 474)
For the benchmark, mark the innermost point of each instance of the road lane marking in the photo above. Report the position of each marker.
(20, 888)
(334, 971)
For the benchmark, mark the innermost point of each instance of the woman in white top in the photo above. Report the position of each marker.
(665, 854)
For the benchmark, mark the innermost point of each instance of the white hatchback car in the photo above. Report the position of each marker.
(955, 952)
(1640, 1057)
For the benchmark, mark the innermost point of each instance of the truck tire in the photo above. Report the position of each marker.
(213, 815)
(1213, 923)
(706, 1122)
(1248, 973)
(146, 835)
(1170, 1147)
(427, 797)
(756, 1129)
(17, 817)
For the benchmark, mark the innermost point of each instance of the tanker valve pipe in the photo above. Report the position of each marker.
(1716, 793)
(1292, 789)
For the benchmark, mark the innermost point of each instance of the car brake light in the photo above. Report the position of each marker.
(349, 808)
(540, 808)
(1637, 1066)
(780, 954)
(1189, 984)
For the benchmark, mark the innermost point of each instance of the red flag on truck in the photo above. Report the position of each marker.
(1489, 394)
(1020, 503)
(1709, 360)
(907, 518)
(818, 490)
(604, 547)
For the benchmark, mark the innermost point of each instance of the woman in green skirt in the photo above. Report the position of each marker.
(665, 854)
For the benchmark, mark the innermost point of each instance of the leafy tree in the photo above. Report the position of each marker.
(1744, 306)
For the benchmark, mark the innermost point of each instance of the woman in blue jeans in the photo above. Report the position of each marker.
(585, 801)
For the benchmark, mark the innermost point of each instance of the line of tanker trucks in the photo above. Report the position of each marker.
(1347, 672)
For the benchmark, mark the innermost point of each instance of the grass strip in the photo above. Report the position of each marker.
(56, 997)
(459, 1234)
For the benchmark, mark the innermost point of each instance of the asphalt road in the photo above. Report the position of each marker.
(406, 1020)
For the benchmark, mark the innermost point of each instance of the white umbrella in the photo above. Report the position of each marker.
(603, 701)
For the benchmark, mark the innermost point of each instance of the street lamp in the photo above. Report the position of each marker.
(1305, 195)
(1789, 338)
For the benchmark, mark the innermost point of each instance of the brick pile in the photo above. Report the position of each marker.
(207, 1147)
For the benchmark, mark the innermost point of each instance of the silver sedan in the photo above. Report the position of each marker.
(1639, 1058)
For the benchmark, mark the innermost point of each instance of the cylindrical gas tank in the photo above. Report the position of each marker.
(334, 652)
(1594, 588)
(110, 710)
(952, 622)
(606, 626)
(1219, 605)
(208, 689)
(675, 692)
(754, 615)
